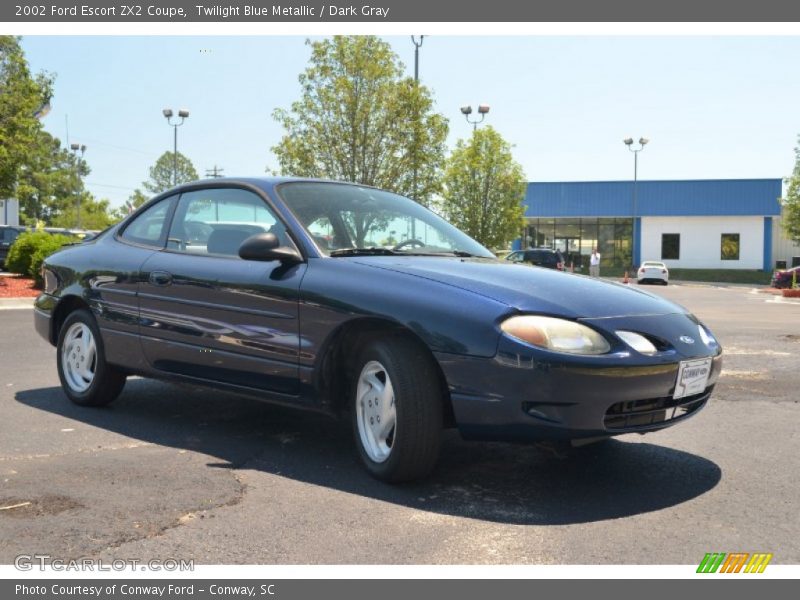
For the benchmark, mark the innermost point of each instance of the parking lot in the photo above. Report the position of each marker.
(181, 472)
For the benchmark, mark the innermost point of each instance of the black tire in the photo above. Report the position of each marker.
(417, 403)
(107, 382)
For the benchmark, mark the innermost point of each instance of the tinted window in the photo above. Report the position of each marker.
(217, 221)
(148, 228)
(542, 256)
(670, 246)
(8, 235)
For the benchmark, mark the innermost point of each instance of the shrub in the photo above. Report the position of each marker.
(29, 251)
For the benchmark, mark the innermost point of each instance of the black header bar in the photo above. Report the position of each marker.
(337, 11)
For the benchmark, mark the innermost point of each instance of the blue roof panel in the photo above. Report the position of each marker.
(704, 197)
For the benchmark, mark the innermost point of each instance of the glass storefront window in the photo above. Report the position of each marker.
(576, 238)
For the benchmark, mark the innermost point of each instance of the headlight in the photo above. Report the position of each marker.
(558, 335)
(707, 337)
(637, 341)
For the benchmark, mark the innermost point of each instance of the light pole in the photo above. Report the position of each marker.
(183, 114)
(75, 149)
(629, 143)
(417, 46)
(483, 109)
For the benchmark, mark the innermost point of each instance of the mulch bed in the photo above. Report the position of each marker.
(16, 286)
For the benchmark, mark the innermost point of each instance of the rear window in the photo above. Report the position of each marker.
(8, 235)
(543, 256)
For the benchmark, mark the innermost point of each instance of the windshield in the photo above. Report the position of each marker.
(348, 219)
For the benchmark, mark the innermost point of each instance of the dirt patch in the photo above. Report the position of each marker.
(15, 286)
(792, 337)
(26, 508)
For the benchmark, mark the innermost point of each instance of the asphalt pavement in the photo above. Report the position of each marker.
(182, 472)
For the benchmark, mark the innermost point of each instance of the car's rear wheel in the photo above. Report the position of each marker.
(85, 376)
(397, 410)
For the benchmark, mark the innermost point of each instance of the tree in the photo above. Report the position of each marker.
(791, 203)
(484, 188)
(134, 201)
(137, 198)
(161, 173)
(49, 181)
(359, 120)
(22, 96)
(95, 214)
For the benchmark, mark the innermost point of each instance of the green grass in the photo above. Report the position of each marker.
(708, 275)
(743, 276)
(721, 275)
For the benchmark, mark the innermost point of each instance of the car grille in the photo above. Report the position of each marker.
(638, 414)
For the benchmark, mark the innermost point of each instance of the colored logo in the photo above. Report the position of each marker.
(735, 562)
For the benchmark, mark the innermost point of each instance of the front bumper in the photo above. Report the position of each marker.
(518, 397)
(43, 308)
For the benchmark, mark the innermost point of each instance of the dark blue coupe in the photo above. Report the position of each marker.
(355, 301)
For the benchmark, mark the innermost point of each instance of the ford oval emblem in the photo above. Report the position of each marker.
(686, 339)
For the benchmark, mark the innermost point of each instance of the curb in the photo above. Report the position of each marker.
(16, 303)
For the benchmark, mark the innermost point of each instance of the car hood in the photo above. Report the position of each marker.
(530, 289)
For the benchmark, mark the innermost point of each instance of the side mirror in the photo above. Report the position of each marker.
(266, 247)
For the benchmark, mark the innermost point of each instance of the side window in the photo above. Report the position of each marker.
(148, 227)
(515, 257)
(216, 221)
(670, 246)
(729, 249)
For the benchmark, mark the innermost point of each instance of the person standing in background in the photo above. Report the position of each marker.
(594, 263)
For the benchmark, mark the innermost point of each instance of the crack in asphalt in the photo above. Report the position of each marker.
(95, 450)
(181, 521)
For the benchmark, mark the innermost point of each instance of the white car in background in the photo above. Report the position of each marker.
(653, 272)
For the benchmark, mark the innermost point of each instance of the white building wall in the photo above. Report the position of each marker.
(782, 247)
(9, 212)
(701, 240)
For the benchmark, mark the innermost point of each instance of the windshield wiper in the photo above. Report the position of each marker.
(372, 251)
(459, 253)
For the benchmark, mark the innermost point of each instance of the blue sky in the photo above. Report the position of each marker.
(713, 107)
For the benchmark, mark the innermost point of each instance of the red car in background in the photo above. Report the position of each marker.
(783, 279)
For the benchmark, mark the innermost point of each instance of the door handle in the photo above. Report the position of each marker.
(160, 278)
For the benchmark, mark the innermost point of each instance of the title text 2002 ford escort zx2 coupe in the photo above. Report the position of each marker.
(355, 301)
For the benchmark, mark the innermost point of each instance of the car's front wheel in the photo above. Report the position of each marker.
(85, 376)
(397, 410)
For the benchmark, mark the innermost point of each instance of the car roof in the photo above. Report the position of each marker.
(261, 182)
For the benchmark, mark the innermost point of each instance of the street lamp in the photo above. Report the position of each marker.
(629, 143)
(75, 149)
(415, 175)
(483, 109)
(168, 114)
(417, 46)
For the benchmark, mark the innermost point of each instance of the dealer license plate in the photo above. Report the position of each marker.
(692, 377)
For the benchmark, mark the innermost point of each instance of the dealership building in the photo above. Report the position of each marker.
(692, 224)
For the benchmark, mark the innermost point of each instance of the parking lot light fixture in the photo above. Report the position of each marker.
(76, 149)
(483, 110)
(168, 114)
(629, 143)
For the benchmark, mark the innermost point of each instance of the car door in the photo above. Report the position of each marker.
(113, 280)
(208, 314)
